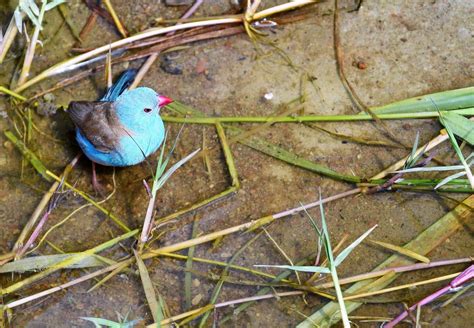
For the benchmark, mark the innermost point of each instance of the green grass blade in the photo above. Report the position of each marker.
(449, 179)
(424, 243)
(342, 256)
(188, 276)
(332, 267)
(162, 180)
(220, 283)
(289, 157)
(150, 294)
(458, 151)
(12, 93)
(67, 262)
(100, 322)
(412, 157)
(29, 155)
(459, 125)
(433, 169)
(160, 168)
(446, 100)
(266, 147)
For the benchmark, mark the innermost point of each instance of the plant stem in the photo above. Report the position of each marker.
(143, 70)
(28, 155)
(425, 242)
(12, 93)
(459, 153)
(61, 287)
(223, 264)
(463, 277)
(49, 176)
(442, 137)
(332, 267)
(67, 262)
(110, 215)
(223, 304)
(391, 289)
(309, 118)
(117, 21)
(400, 269)
(340, 298)
(281, 8)
(8, 38)
(42, 204)
(30, 52)
(147, 224)
(60, 67)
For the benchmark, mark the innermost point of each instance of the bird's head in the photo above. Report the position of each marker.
(139, 109)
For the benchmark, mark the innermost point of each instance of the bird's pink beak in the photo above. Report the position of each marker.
(163, 101)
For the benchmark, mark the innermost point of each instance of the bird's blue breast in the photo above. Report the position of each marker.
(132, 149)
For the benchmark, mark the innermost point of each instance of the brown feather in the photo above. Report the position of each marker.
(98, 122)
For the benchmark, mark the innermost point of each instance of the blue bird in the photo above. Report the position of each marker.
(123, 127)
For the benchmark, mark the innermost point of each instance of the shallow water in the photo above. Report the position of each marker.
(409, 48)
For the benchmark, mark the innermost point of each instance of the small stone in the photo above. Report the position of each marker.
(464, 33)
(268, 96)
(196, 283)
(196, 299)
(170, 67)
(8, 145)
(179, 2)
(49, 97)
(46, 108)
(3, 111)
(361, 65)
(201, 66)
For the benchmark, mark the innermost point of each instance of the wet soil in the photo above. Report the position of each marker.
(391, 51)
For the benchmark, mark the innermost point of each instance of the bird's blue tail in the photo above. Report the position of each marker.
(120, 85)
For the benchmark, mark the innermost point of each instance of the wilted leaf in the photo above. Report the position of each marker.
(45, 261)
(403, 251)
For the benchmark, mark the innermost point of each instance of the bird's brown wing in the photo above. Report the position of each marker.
(98, 122)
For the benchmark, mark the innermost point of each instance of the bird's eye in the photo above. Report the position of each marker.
(147, 110)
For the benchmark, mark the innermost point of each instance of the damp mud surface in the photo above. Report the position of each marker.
(391, 51)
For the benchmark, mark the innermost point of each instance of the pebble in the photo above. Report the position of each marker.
(196, 299)
(179, 2)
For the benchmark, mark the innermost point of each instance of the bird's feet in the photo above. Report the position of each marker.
(98, 188)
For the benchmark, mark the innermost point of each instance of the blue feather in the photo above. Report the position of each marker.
(120, 85)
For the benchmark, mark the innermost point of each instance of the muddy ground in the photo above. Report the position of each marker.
(391, 51)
